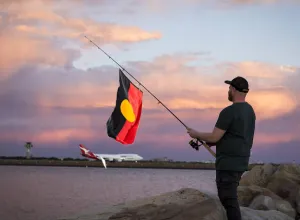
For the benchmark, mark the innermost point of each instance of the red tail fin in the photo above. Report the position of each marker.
(83, 150)
(87, 153)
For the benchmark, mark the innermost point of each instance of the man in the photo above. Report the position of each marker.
(233, 136)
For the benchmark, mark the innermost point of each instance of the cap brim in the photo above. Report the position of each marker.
(227, 82)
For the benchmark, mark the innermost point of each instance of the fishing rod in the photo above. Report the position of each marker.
(195, 142)
(138, 82)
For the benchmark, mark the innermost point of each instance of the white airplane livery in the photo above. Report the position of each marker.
(108, 157)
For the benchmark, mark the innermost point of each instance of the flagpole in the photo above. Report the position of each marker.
(204, 144)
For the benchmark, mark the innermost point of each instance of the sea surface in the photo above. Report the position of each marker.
(47, 193)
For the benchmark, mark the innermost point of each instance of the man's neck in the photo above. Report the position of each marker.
(239, 100)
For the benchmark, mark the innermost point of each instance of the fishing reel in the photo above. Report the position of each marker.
(195, 143)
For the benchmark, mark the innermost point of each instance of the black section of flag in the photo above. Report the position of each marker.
(116, 121)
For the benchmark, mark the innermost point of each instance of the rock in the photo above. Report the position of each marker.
(298, 201)
(205, 209)
(259, 198)
(252, 214)
(291, 171)
(258, 175)
(265, 186)
(182, 204)
(285, 207)
(247, 193)
(285, 182)
(262, 202)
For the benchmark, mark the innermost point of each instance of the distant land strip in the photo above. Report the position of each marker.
(70, 162)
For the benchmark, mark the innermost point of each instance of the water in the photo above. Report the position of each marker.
(46, 193)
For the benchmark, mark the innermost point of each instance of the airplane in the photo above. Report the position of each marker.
(110, 157)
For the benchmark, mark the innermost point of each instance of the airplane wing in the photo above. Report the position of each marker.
(104, 162)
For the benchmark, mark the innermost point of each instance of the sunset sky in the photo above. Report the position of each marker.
(58, 90)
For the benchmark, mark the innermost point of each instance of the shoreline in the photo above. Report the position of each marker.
(124, 164)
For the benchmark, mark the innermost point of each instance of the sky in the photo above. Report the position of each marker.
(57, 89)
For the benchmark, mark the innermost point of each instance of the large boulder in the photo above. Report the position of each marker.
(298, 201)
(247, 193)
(258, 175)
(285, 182)
(252, 214)
(182, 204)
(259, 198)
(272, 187)
(262, 202)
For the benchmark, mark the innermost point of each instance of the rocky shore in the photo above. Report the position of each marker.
(267, 192)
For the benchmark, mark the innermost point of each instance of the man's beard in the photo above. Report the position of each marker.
(229, 96)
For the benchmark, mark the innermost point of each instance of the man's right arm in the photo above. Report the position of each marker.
(221, 126)
(225, 119)
(210, 144)
(223, 122)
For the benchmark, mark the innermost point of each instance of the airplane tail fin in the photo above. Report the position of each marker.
(87, 153)
(82, 149)
(82, 146)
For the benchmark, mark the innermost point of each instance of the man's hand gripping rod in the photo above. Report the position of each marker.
(192, 143)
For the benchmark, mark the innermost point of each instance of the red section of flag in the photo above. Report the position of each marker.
(128, 132)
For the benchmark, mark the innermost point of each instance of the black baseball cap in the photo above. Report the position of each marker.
(239, 83)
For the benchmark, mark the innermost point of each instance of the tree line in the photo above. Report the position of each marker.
(42, 158)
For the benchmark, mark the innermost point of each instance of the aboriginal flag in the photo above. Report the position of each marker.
(123, 123)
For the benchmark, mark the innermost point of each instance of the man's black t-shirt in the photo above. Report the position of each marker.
(233, 149)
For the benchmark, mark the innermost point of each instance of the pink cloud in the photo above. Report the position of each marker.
(177, 85)
(65, 135)
(18, 50)
(158, 6)
(265, 140)
(191, 87)
(271, 103)
(196, 94)
(171, 139)
(57, 136)
(23, 16)
(259, 74)
(255, 1)
(31, 28)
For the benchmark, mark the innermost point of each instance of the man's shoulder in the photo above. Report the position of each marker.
(248, 104)
(227, 109)
(240, 105)
(250, 107)
(226, 113)
(234, 108)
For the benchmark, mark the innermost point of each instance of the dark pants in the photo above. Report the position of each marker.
(227, 183)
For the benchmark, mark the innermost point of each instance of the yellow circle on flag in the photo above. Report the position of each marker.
(127, 110)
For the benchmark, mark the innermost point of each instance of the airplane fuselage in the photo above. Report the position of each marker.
(109, 157)
(120, 157)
